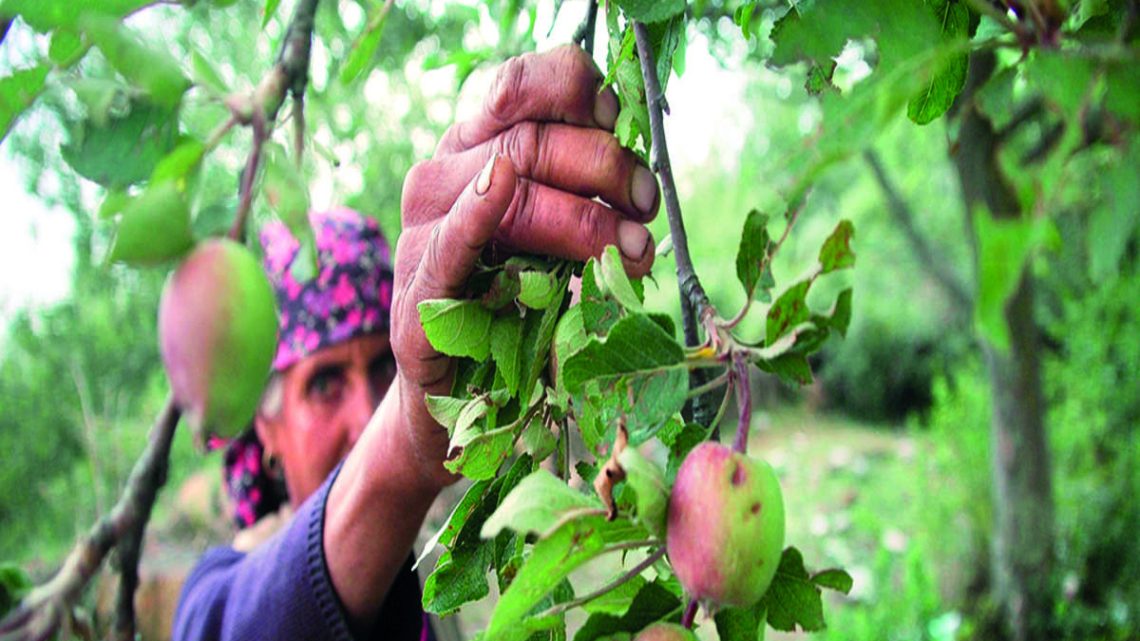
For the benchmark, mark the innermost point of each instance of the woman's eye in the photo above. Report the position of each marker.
(326, 384)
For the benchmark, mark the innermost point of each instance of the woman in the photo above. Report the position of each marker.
(530, 173)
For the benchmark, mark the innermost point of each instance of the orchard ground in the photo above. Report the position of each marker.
(860, 491)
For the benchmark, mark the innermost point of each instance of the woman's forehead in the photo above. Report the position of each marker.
(360, 348)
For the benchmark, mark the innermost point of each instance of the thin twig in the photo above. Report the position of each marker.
(710, 385)
(42, 612)
(769, 257)
(218, 134)
(743, 401)
(628, 576)
(245, 197)
(723, 409)
(694, 302)
(584, 34)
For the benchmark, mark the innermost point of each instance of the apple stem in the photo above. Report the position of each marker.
(743, 401)
(690, 614)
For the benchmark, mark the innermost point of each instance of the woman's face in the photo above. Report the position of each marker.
(327, 399)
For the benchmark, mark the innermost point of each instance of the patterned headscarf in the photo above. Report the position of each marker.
(350, 296)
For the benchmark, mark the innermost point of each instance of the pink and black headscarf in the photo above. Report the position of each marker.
(350, 296)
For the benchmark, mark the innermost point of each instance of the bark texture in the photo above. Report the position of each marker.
(1023, 492)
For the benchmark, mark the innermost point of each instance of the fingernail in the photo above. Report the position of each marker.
(483, 183)
(644, 189)
(606, 109)
(633, 239)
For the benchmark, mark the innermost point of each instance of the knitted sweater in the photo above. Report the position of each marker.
(282, 591)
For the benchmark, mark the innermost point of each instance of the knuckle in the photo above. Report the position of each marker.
(521, 144)
(507, 89)
(519, 212)
(609, 157)
(592, 228)
(418, 182)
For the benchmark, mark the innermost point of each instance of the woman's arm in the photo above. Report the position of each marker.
(527, 173)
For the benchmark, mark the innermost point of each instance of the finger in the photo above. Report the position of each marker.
(545, 220)
(457, 241)
(557, 86)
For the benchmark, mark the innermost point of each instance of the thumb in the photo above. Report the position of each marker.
(457, 241)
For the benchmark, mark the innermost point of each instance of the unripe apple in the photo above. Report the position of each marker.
(725, 526)
(665, 632)
(217, 330)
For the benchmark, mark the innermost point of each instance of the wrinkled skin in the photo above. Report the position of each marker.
(725, 528)
(665, 632)
(217, 328)
(538, 170)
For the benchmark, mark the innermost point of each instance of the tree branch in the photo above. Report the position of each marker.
(695, 306)
(927, 255)
(584, 34)
(44, 610)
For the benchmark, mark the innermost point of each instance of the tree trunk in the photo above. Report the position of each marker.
(1023, 493)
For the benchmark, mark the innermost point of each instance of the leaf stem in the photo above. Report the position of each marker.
(709, 386)
(218, 134)
(743, 401)
(694, 302)
(636, 570)
(723, 404)
(690, 614)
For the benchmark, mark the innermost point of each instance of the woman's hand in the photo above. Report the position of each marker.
(522, 174)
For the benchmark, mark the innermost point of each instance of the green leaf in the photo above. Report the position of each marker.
(537, 290)
(206, 75)
(665, 38)
(66, 48)
(614, 281)
(179, 163)
(792, 368)
(752, 268)
(537, 336)
(817, 32)
(836, 251)
(550, 561)
(654, 602)
(538, 503)
(599, 312)
(113, 203)
(741, 624)
(537, 439)
(1064, 80)
(793, 599)
(648, 482)
(834, 579)
(680, 443)
(819, 79)
(506, 349)
(651, 10)
(503, 291)
(789, 310)
(270, 10)
(17, 92)
(1004, 246)
(457, 327)
(445, 409)
(14, 586)
(124, 150)
(635, 345)
(458, 578)
(1112, 223)
(950, 77)
(154, 228)
(44, 15)
(149, 68)
(286, 190)
(569, 337)
(364, 47)
(617, 601)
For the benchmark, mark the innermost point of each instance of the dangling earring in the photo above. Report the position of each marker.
(270, 464)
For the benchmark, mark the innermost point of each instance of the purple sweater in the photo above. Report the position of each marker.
(282, 591)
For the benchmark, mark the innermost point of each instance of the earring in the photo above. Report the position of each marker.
(271, 464)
